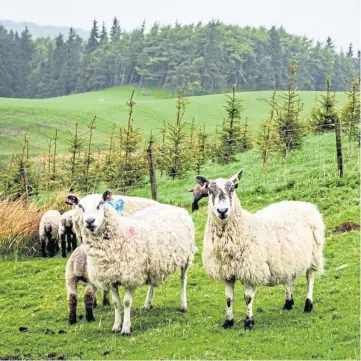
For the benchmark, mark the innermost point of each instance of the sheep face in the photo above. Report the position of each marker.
(92, 212)
(47, 228)
(221, 192)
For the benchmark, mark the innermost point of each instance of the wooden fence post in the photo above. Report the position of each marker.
(152, 176)
(24, 181)
(338, 146)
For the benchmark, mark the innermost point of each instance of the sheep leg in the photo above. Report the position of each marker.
(229, 292)
(73, 241)
(128, 300)
(183, 300)
(106, 298)
(71, 287)
(149, 299)
(68, 238)
(89, 297)
(51, 247)
(117, 315)
(63, 245)
(289, 298)
(43, 247)
(249, 294)
(310, 275)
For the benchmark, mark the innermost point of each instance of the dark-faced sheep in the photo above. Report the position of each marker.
(198, 192)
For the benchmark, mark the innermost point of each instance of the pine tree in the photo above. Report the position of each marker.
(288, 122)
(103, 35)
(350, 51)
(323, 113)
(329, 44)
(350, 113)
(246, 142)
(115, 30)
(178, 154)
(230, 139)
(93, 40)
(267, 136)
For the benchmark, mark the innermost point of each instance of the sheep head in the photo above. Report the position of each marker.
(91, 209)
(221, 192)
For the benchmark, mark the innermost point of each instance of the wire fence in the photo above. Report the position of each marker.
(108, 166)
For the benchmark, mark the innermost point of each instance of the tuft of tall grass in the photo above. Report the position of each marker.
(19, 224)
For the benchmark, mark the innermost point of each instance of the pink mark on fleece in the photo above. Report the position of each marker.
(131, 230)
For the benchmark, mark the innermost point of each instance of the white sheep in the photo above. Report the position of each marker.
(48, 232)
(75, 271)
(67, 232)
(270, 247)
(76, 265)
(137, 250)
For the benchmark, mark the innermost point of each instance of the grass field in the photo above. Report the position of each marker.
(42, 117)
(32, 292)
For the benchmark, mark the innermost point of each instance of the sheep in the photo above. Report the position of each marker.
(67, 232)
(133, 251)
(199, 192)
(75, 271)
(270, 247)
(48, 233)
(76, 265)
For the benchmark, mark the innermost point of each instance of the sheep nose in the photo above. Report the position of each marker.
(89, 221)
(222, 210)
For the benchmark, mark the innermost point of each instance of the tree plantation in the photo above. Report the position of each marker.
(204, 58)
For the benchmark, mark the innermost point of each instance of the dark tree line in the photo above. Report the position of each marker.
(202, 58)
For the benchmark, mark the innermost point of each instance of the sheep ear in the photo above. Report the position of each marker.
(72, 199)
(202, 181)
(235, 179)
(105, 194)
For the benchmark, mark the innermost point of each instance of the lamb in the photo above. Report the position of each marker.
(137, 250)
(75, 271)
(199, 192)
(270, 247)
(67, 232)
(48, 233)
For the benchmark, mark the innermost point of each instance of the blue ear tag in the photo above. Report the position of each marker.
(119, 205)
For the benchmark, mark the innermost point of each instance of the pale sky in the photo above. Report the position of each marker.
(317, 19)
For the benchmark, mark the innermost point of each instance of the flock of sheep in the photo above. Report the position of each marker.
(144, 242)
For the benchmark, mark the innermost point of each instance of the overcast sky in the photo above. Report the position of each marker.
(317, 19)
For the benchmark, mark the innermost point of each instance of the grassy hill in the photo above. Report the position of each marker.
(42, 117)
(32, 292)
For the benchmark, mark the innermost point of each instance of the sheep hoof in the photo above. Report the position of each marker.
(183, 309)
(90, 318)
(106, 303)
(125, 333)
(116, 329)
(228, 324)
(72, 320)
(63, 255)
(288, 305)
(248, 324)
(308, 305)
(148, 307)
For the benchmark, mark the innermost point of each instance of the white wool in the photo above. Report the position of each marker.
(67, 222)
(271, 246)
(50, 220)
(141, 249)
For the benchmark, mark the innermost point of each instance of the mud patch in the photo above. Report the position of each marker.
(347, 227)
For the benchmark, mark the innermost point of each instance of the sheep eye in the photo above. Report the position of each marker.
(100, 204)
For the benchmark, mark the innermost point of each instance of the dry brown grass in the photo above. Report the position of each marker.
(19, 224)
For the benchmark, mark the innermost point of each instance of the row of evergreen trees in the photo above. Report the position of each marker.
(202, 58)
(182, 146)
